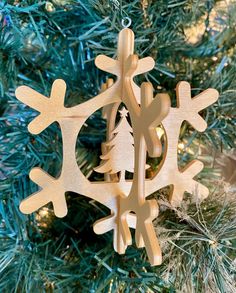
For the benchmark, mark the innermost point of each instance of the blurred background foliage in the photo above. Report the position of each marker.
(41, 41)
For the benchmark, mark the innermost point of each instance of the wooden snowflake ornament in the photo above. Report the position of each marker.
(125, 198)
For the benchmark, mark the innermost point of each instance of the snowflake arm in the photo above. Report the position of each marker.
(169, 174)
(52, 191)
(50, 108)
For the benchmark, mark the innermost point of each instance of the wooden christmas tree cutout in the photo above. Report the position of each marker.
(120, 150)
(146, 113)
(119, 154)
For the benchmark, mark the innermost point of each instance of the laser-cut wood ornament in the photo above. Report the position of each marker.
(146, 113)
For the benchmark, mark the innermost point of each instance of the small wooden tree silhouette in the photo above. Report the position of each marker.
(120, 154)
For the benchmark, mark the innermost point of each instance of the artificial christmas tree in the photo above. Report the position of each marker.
(60, 39)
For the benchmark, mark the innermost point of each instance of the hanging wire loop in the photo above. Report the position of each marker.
(126, 22)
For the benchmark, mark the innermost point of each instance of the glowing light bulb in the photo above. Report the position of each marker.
(160, 132)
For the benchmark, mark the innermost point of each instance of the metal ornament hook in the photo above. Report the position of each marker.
(126, 22)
